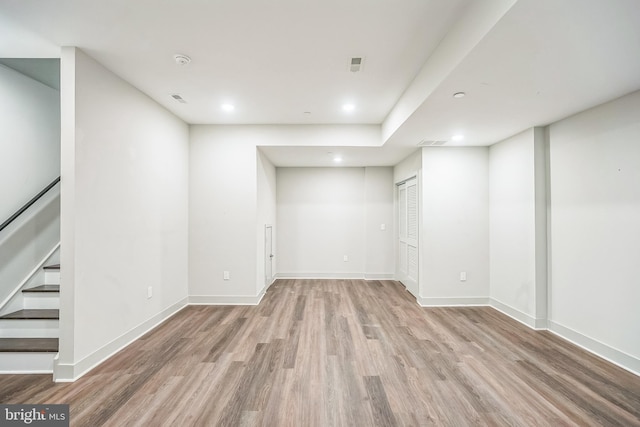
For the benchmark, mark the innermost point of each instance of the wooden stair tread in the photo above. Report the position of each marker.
(43, 288)
(28, 345)
(52, 267)
(33, 314)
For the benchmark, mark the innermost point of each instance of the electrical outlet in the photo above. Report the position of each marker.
(226, 275)
(346, 258)
(463, 276)
(383, 227)
(149, 292)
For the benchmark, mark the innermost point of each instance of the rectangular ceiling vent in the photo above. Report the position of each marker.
(356, 64)
(430, 143)
(178, 98)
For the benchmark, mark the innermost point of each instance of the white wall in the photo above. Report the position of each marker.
(518, 235)
(29, 139)
(301, 135)
(222, 215)
(595, 229)
(125, 213)
(30, 160)
(408, 167)
(266, 209)
(325, 214)
(226, 204)
(379, 244)
(320, 220)
(454, 235)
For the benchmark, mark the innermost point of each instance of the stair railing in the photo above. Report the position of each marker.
(29, 204)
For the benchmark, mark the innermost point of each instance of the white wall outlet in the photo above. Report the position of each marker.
(226, 275)
(149, 292)
(463, 276)
(383, 227)
(346, 258)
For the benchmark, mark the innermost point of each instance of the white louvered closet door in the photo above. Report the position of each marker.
(408, 234)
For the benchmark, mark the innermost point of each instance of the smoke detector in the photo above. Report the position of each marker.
(181, 59)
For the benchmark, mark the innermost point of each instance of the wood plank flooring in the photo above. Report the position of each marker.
(342, 353)
(33, 314)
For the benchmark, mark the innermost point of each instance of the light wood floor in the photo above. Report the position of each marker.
(342, 353)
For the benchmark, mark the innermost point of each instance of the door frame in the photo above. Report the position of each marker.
(268, 254)
(411, 285)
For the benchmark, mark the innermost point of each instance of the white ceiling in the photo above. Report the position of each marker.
(274, 60)
(544, 60)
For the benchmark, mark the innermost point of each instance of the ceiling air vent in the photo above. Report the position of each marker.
(430, 143)
(178, 98)
(356, 64)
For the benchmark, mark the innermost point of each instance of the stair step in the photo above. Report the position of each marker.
(52, 267)
(33, 314)
(43, 288)
(29, 345)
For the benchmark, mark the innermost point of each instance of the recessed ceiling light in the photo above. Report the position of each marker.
(228, 107)
(459, 95)
(337, 159)
(457, 137)
(348, 107)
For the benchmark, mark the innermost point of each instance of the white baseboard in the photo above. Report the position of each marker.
(71, 372)
(452, 302)
(617, 357)
(379, 276)
(227, 299)
(273, 279)
(336, 276)
(524, 318)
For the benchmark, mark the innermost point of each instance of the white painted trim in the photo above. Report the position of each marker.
(410, 175)
(524, 318)
(273, 280)
(71, 372)
(452, 302)
(226, 299)
(33, 272)
(379, 276)
(29, 328)
(337, 276)
(600, 349)
(413, 290)
(23, 363)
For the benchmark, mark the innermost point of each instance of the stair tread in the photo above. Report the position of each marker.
(43, 345)
(43, 288)
(52, 267)
(33, 314)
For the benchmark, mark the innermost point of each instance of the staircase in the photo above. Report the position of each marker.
(29, 337)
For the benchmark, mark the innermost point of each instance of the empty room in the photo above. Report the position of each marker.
(320, 213)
